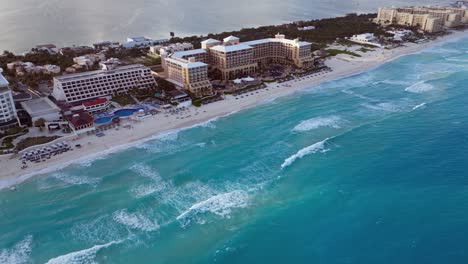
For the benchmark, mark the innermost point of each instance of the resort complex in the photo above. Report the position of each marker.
(429, 19)
(233, 59)
(162, 83)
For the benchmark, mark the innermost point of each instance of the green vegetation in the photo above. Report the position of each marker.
(123, 99)
(327, 30)
(39, 122)
(334, 52)
(33, 141)
(364, 50)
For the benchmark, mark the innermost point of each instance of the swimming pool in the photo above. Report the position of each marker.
(126, 112)
(104, 120)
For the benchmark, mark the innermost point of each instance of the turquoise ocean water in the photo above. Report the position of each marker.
(367, 169)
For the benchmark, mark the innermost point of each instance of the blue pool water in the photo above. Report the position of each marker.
(104, 120)
(368, 169)
(125, 112)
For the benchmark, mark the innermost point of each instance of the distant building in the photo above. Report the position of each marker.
(42, 108)
(8, 116)
(105, 45)
(306, 28)
(367, 38)
(110, 80)
(429, 19)
(141, 41)
(171, 48)
(51, 48)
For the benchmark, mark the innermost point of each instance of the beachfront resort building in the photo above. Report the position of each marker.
(429, 19)
(190, 74)
(110, 80)
(8, 116)
(233, 58)
(367, 38)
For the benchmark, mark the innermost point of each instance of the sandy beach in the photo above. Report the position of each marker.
(116, 140)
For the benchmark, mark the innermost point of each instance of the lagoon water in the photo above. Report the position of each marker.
(26, 23)
(371, 168)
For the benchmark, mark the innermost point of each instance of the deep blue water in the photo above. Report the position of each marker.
(367, 169)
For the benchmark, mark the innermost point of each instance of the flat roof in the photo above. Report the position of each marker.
(40, 106)
(268, 40)
(187, 64)
(231, 48)
(98, 72)
(181, 54)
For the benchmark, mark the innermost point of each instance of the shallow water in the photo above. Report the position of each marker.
(366, 169)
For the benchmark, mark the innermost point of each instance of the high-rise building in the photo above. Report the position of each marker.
(429, 19)
(8, 116)
(190, 74)
(233, 58)
(111, 80)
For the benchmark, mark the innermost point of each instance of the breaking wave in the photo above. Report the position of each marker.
(314, 148)
(387, 107)
(19, 253)
(82, 257)
(135, 221)
(419, 106)
(420, 87)
(314, 123)
(221, 205)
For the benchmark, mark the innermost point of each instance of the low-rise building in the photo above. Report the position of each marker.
(80, 122)
(110, 80)
(367, 38)
(141, 41)
(8, 116)
(42, 108)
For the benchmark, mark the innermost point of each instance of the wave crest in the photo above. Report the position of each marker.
(83, 256)
(19, 253)
(420, 87)
(317, 122)
(135, 221)
(314, 148)
(221, 205)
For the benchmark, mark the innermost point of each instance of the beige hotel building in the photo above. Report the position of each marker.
(233, 58)
(429, 19)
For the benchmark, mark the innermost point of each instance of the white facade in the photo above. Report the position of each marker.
(141, 41)
(367, 38)
(7, 105)
(109, 81)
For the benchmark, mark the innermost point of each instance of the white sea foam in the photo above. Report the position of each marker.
(419, 106)
(220, 204)
(385, 106)
(314, 123)
(314, 148)
(135, 221)
(76, 180)
(420, 87)
(84, 256)
(358, 95)
(17, 254)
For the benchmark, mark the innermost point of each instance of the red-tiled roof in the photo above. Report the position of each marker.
(96, 101)
(80, 119)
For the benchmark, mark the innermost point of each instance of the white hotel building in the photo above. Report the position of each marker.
(8, 117)
(111, 80)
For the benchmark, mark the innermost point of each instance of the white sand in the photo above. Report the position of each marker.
(342, 65)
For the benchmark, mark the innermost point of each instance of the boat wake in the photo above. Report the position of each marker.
(314, 148)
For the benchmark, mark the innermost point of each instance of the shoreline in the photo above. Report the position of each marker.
(157, 126)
